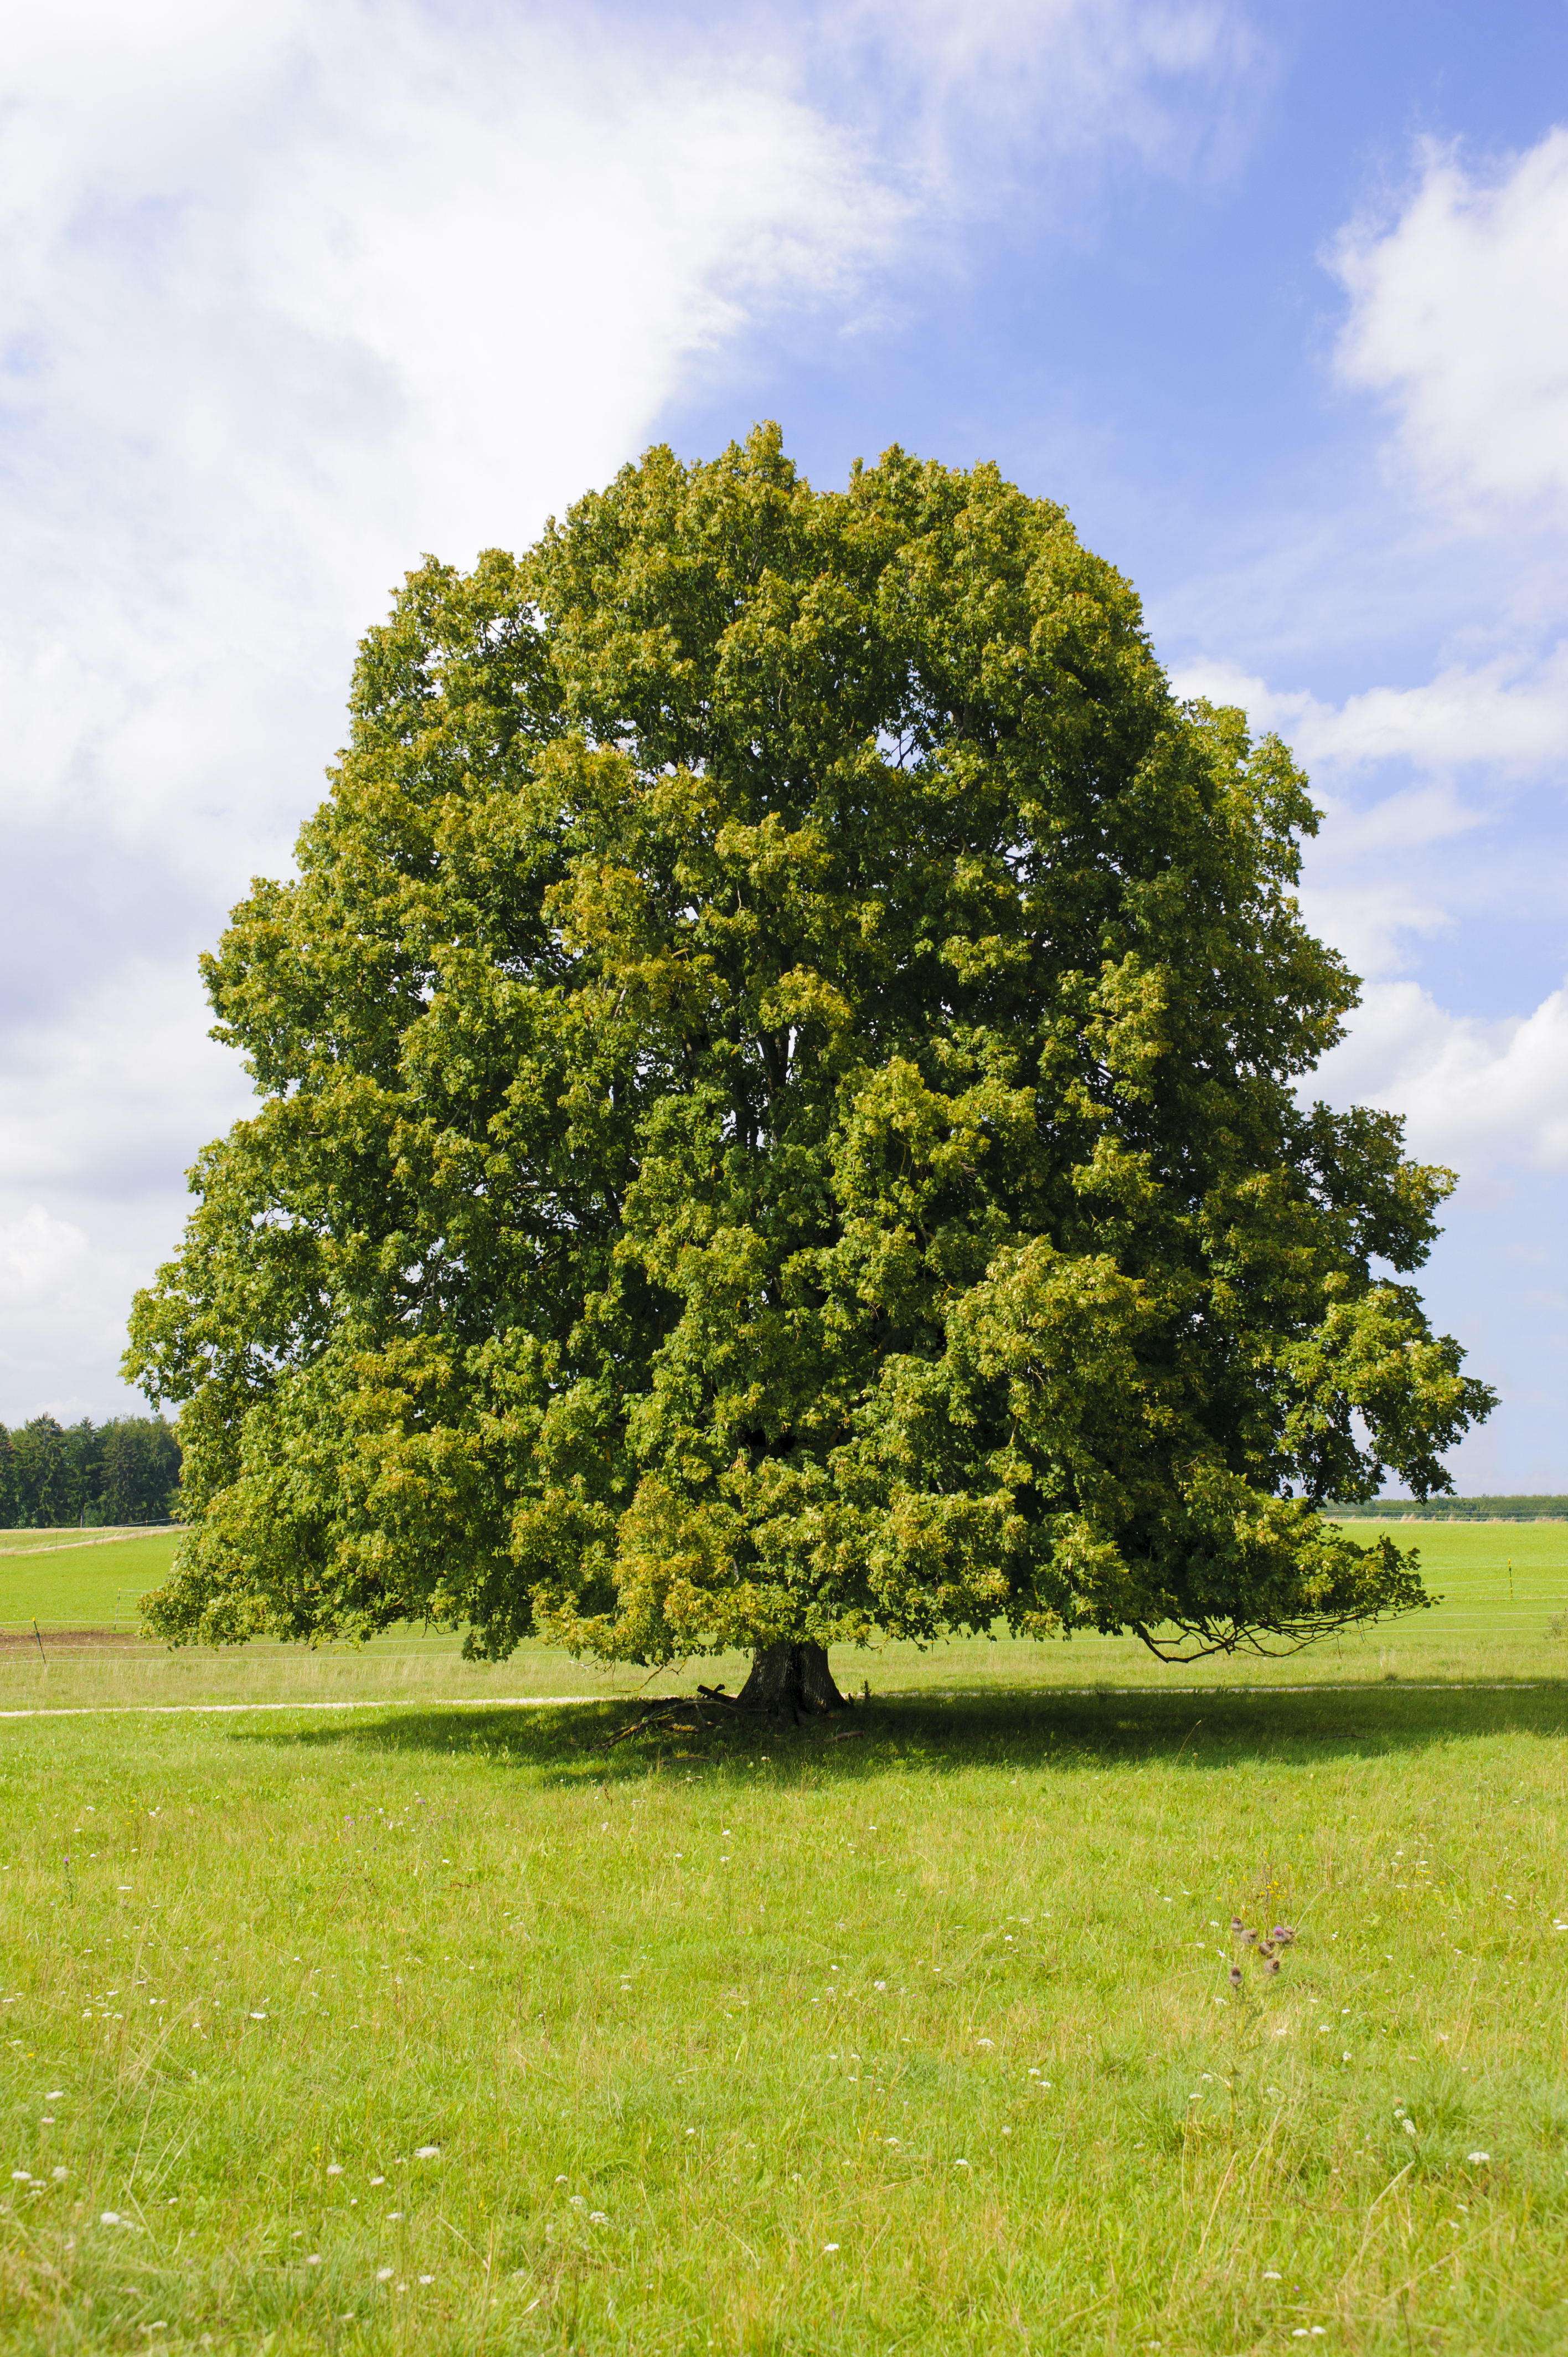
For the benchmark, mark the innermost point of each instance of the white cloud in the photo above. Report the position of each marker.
(1457, 318)
(1507, 715)
(104, 1099)
(38, 1253)
(345, 287)
(1410, 782)
(1491, 1102)
(1488, 1097)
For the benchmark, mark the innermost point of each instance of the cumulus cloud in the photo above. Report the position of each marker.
(1489, 1097)
(342, 289)
(1457, 319)
(1509, 714)
(1411, 782)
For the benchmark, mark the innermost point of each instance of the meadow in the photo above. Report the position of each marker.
(381, 2002)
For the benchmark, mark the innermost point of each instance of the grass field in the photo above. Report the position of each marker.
(429, 2026)
(74, 1580)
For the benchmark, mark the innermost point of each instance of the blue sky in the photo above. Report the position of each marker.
(1272, 298)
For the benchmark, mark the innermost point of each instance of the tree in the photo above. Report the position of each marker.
(46, 1492)
(85, 1459)
(778, 1121)
(8, 1481)
(140, 1477)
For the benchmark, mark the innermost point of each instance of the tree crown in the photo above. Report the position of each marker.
(778, 1118)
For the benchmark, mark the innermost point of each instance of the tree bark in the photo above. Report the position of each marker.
(791, 1679)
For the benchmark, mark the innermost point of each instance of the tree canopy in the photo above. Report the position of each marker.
(780, 1119)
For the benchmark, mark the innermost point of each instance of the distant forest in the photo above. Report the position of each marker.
(123, 1472)
(1456, 1510)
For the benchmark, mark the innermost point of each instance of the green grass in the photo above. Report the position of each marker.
(682, 2014)
(77, 1580)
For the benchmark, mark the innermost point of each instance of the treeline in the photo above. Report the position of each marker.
(126, 1470)
(1456, 1510)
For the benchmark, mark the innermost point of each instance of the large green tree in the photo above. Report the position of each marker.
(780, 1121)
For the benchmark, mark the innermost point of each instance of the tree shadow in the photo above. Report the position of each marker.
(1050, 1731)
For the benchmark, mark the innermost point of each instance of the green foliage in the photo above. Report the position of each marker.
(778, 1119)
(126, 1470)
(138, 1478)
(48, 1470)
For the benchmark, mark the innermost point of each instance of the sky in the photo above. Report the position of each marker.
(1275, 299)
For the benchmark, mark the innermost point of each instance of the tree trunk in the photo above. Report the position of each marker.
(791, 1679)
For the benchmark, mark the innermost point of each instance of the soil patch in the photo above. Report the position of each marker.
(66, 1639)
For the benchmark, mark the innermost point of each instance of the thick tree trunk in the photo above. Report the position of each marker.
(791, 1679)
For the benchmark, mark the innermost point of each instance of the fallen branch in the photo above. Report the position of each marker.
(662, 1715)
(741, 1709)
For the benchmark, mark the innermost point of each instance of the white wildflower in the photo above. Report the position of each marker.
(428, 2152)
(383, 2275)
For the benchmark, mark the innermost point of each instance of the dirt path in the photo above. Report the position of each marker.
(376, 1702)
